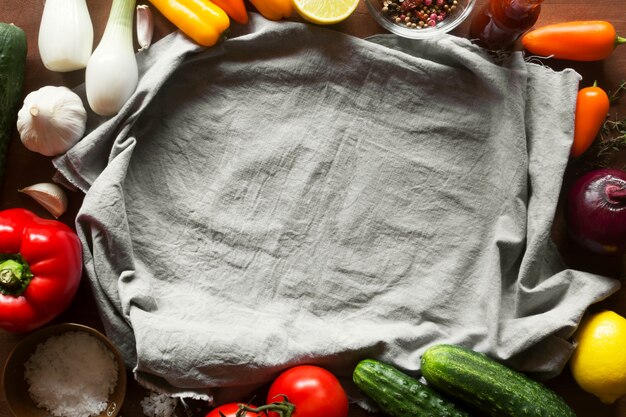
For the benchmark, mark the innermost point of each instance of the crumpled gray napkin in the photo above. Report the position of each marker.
(295, 195)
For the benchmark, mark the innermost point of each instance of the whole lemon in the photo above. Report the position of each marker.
(598, 363)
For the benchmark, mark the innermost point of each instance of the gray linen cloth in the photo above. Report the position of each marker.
(295, 195)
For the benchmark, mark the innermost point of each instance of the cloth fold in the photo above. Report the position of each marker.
(296, 195)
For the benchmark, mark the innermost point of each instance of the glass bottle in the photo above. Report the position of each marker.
(500, 22)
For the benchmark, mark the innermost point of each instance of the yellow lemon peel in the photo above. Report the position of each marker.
(598, 363)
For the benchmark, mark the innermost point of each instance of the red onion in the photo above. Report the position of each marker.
(595, 213)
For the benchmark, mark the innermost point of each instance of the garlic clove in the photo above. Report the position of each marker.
(49, 195)
(145, 26)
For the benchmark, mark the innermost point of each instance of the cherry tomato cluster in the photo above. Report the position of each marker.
(301, 391)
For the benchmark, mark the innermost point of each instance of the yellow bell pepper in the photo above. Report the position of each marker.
(273, 9)
(201, 20)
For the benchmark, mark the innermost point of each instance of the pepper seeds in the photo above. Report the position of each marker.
(418, 14)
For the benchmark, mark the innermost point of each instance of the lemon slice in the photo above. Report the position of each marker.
(325, 12)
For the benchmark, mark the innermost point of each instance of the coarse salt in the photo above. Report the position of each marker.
(71, 375)
(159, 405)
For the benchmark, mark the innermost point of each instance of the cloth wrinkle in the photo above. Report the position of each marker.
(296, 195)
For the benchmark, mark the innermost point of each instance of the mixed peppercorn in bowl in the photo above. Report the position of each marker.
(419, 19)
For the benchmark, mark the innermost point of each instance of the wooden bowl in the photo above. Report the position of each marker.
(16, 388)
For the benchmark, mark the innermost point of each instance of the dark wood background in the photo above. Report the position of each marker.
(26, 168)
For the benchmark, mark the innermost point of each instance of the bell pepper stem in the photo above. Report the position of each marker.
(11, 273)
(14, 276)
(619, 40)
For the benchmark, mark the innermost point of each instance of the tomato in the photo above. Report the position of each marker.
(313, 390)
(229, 410)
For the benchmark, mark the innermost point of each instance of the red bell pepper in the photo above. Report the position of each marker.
(40, 269)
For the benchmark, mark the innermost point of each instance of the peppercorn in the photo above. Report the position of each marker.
(417, 14)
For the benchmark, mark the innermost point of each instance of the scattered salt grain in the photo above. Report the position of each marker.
(158, 405)
(71, 375)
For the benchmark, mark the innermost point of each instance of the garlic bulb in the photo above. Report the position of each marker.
(65, 35)
(52, 120)
(50, 196)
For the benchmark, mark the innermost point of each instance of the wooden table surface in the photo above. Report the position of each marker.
(25, 168)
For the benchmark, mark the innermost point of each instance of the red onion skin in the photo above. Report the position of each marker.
(595, 213)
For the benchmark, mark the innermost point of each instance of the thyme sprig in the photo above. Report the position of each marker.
(615, 95)
(612, 136)
(605, 150)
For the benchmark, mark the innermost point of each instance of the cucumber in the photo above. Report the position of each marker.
(12, 65)
(398, 394)
(489, 386)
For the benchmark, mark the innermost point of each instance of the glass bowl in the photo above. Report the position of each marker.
(449, 22)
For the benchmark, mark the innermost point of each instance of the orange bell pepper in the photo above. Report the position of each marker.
(273, 9)
(235, 9)
(201, 20)
(592, 106)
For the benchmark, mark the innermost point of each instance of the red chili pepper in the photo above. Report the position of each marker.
(592, 106)
(235, 9)
(577, 41)
(40, 269)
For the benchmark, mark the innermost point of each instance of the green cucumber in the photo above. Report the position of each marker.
(12, 66)
(398, 394)
(489, 386)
